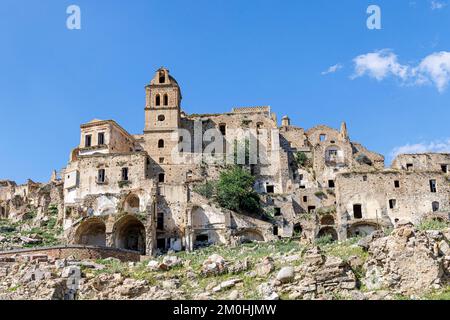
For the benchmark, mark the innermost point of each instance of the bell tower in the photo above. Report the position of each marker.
(163, 99)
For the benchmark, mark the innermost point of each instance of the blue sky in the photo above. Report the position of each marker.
(223, 54)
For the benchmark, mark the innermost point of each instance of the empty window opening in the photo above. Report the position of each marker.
(332, 141)
(297, 229)
(435, 206)
(397, 184)
(252, 169)
(162, 77)
(409, 166)
(161, 118)
(323, 137)
(203, 238)
(392, 203)
(305, 199)
(364, 178)
(433, 186)
(88, 141)
(101, 138)
(277, 212)
(160, 221)
(161, 244)
(124, 174)
(311, 209)
(330, 183)
(270, 189)
(158, 100)
(357, 211)
(101, 176)
(161, 143)
(223, 129)
(161, 177)
(161, 160)
(166, 100)
(444, 168)
(275, 230)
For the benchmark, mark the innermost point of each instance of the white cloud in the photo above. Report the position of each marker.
(439, 146)
(379, 65)
(433, 69)
(333, 69)
(437, 5)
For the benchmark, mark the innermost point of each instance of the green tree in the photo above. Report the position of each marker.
(235, 191)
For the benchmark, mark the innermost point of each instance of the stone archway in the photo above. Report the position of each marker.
(328, 231)
(250, 235)
(91, 232)
(361, 229)
(129, 234)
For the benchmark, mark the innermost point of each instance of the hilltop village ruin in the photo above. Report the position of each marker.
(127, 191)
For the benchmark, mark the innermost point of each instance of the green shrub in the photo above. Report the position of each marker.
(301, 158)
(234, 191)
(324, 240)
(206, 190)
(433, 224)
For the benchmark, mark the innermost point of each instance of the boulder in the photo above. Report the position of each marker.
(214, 265)
(286, 275)
(265, 267)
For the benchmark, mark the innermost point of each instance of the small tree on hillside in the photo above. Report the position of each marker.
(235, 191)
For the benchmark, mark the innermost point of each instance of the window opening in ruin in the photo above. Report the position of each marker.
(158, 100)
(270, 189)
(409, 166)
(161, 144)
(323, 137)
(275, 230)
(332, 141)
(311, 209)
(305, 199)
(392, 203)
(397, 184)
(364, 178)
(433, 186)
(357, 211)
(223, 129)
(101, 176)
(124, 174)
(330, 183)
(444, 168)
(435, 206)
(101, 138)
(88, 140)
(161, 118)
(203, 238)
(166, 100)
(161, 244)
(161, 177)
(297, 229)
(160, 221)
(277, 212)
(252, 169)
(161, 160)
(162, 77)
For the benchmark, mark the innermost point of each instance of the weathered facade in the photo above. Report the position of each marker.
(137, 191)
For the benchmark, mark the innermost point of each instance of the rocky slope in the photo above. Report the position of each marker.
(406, 264)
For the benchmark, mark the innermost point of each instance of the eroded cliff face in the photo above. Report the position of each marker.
(407, 263)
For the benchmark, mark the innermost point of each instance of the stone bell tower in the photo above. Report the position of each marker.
(162, 120)
(163, 99)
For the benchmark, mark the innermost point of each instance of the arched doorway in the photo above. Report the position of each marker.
(328, 231)
(91, 232)
(129, 234)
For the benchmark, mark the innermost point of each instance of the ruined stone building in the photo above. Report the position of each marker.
(132, 191)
